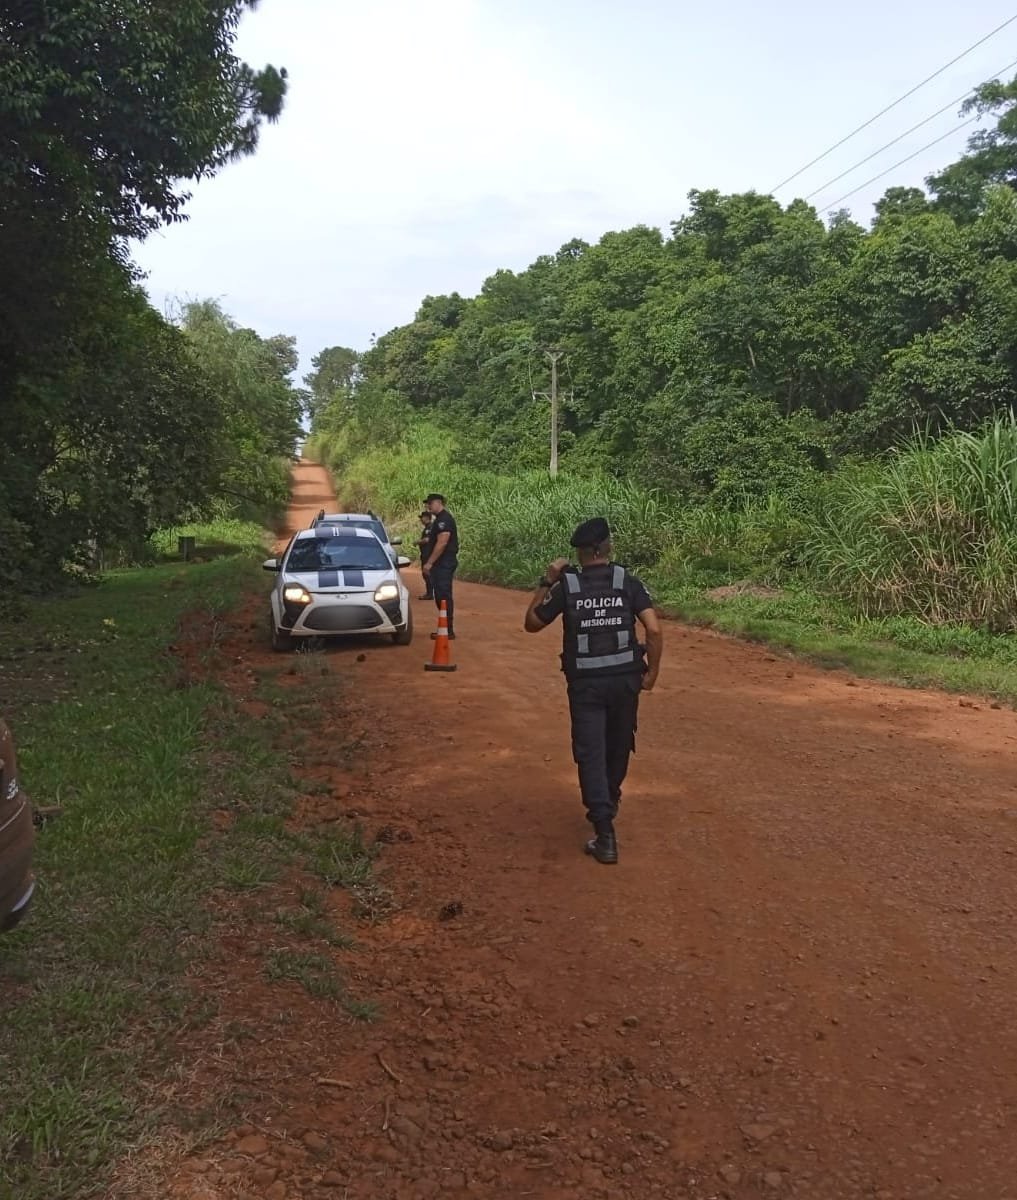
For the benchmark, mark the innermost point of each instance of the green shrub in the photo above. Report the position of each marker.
(930, 533)
(514, 524)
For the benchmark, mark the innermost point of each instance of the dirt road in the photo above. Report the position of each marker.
(799, 981)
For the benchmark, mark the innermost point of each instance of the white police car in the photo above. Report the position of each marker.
(337, 581)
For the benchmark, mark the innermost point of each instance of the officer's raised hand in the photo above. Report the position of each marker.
(554, 570)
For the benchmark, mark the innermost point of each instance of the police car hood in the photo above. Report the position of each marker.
(342, 579)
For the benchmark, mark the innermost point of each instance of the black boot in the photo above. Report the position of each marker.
(604, 847)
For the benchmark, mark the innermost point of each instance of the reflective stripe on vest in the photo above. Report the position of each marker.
(601, 661)
(617, 579)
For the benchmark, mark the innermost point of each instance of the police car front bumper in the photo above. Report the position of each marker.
(345, 617)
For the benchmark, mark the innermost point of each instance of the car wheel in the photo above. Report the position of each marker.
(281, 640)
(403, 637)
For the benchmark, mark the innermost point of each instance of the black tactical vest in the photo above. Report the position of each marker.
(600, 626)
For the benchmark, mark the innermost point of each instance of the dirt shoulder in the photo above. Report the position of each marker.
(798, 981)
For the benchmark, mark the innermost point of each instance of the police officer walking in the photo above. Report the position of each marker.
(605, 666)
(443, 556)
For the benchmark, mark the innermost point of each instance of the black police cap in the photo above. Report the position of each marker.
(594, 532)
(434, 496)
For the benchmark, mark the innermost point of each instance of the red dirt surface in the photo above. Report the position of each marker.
(799, 981)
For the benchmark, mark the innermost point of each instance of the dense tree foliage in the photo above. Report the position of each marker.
(255, 402)
(336, 370)
(115, 420)
(753, 346)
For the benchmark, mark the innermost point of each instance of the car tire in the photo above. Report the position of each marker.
(403, 637)
(281, 640)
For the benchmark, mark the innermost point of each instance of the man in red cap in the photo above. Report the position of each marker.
(605, 665)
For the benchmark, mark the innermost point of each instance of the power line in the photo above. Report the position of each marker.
(899, 100)
(920, 150)
(938, 113)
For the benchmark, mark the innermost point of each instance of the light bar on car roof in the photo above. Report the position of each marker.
(338, 531)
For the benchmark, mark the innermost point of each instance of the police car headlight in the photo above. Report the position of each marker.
(293, 593)
(387, 591)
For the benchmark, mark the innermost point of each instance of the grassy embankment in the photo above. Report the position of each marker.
(139, 747)
(905, 571)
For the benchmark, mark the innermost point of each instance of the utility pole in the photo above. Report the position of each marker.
(552, 354)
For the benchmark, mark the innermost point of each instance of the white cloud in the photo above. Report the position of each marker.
(425, 143)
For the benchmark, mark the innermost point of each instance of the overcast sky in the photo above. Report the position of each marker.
(426, 143)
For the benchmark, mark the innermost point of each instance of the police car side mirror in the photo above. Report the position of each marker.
(402, 561)
(397, 541)
(270, 564)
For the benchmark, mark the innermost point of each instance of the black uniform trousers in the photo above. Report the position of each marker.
(441, 585)
(604, 713)
(425, 550)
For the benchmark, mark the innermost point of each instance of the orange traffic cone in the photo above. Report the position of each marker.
(441, 659)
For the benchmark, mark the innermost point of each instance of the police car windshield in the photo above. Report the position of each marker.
(375, 527)
(337, 554)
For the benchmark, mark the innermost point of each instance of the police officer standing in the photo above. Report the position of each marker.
(443, 556)
(605, 666)
(424, 546)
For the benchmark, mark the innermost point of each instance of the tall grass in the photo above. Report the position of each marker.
(215, 537)
(871, 571)
(932, 533)
(513, 524)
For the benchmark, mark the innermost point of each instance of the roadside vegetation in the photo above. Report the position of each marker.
(906, 571)
(118, 420)
(124, 429)
(174, 808)
(802, 429)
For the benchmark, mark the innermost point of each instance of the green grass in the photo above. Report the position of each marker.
(139, 750)
(512, 526)
(317, 975)
(931, 532)
(307, 923)
(341, 858)
(315, 972)
(900, 650)
(509, 522)
(213, 539)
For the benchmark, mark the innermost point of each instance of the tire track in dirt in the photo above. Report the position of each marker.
(797, 982)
